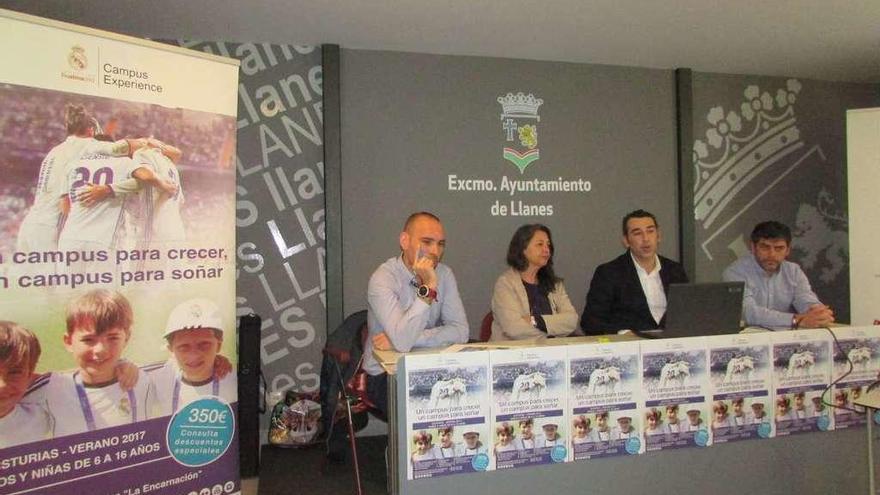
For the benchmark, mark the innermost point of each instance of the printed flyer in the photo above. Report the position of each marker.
(739, 371)
(529, 401)
(801, 373)
(447, 414)
(675, 385)
(117, 269)
(861, 347)
(604, 394)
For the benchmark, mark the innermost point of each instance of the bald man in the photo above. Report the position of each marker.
(412, 301)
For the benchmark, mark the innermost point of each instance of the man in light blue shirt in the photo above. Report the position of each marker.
(778, 294)
(412, 301)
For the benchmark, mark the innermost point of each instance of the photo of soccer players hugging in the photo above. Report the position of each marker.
(117, 315)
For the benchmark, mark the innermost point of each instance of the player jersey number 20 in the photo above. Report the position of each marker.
(83, 176)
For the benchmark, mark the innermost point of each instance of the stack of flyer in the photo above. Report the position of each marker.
(801, 373)
(447, 412)
(479, 410)
(739, 371)
(604, 395)
(674, 386)
(861, 348)
(529, 401)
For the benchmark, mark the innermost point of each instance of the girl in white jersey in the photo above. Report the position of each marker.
(39, 229)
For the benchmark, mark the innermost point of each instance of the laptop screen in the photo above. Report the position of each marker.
(711, 308)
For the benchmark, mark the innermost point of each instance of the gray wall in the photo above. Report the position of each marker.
(802, 184)
(411, 120)
(280, 246)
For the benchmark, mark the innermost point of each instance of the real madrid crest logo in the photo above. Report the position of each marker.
(195, 311)
(77, 59)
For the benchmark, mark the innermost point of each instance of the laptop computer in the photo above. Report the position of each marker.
(710, 308)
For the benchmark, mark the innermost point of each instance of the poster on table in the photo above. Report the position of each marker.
(529, 401)
(604, 393)
(675, 383)
(858, 347)
(117, 275)
(801, 374)
(447, 411)
(739, 373)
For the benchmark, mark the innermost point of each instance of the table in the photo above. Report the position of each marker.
(817, 463)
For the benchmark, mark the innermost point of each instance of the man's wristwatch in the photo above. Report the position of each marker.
(426, 292)
(795, 323)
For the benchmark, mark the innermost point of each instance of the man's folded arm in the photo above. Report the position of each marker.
(454, 325)
(403, 326)
(804, 297)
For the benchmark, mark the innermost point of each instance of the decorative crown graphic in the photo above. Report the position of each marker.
(520, 106)
(742, 146)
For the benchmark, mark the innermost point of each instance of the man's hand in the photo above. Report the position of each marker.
(222, 366)
(424, 269)
(127, 374)
(819, 315)
(92, 194)
(382, 343)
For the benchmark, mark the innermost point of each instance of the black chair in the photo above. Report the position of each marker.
(343, 377)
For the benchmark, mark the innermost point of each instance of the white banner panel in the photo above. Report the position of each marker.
(863, 170)
(117, 275)
(97, 63)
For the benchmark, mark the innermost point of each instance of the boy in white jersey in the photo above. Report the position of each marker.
(195, 334)
(90, 398)
(20, 421)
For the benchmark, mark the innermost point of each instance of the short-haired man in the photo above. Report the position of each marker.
(412, 301)
(629, 292)
(778, 294)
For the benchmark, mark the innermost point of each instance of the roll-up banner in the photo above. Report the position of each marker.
(117, 276)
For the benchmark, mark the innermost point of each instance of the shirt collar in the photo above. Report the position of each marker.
(404, 271)
(641, 270)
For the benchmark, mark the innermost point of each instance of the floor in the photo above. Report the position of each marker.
(307, 470)
(250, 486)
